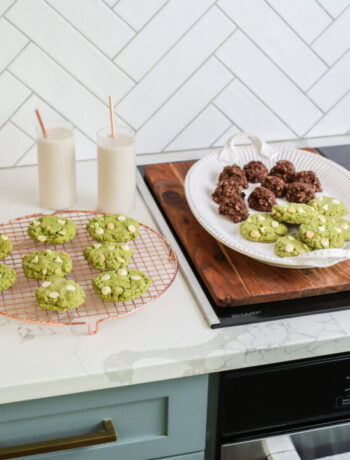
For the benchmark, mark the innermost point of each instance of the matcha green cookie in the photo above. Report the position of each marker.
(108, 256)
(290, 246)
(328, 206)
(321, 235)
(345, 226)
(59, 294)
(5, 246)
(52, 229)
(113, 227)
(293, 213)
(41, 265)
(7, 277)
(122, 285)
(262, 228)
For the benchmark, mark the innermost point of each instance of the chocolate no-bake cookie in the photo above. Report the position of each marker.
(227, 189)
(236, 173)
(275, 184)
(299, 192)
(284, 169)
(308, 177)
(255, 171)
(262, 199)
(234, 208)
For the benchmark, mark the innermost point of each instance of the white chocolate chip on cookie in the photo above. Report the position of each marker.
(309, 234)
(105, 277)
(36, 223)
(291, 210)
(42, 238)
(325, 207)
(106, 290)
(322, 228)
(301, 210)
(325, 242)
(275, 224)
(336, 201)
(70, 287)
(46, 284)
(97, 245)
(110, 226)
(35, 260)
(261, 217)
(291, 237)
(337, 229)
(289, 248)
(345, 226)
(61, 221)
(262, 229)
(254, 234)
(4, 237)
(99, 230)
(121, 218)
(322, 219)
(122, 272)
(132, 229)
(62, 233)
(111, 247)
(126, 247)
(59, 260)
(54, 295)
(120, 260)
(135, 277)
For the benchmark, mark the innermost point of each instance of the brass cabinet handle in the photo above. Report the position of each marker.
(74, 442)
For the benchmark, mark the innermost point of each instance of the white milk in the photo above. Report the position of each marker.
(56, 161)
(116, 170)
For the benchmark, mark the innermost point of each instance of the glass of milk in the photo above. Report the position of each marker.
(56, 163)
(116, 159)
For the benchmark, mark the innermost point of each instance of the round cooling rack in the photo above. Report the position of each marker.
(153, 255)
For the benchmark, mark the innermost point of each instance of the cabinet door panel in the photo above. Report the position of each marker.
(152, 420)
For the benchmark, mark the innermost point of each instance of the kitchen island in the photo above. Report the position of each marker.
(168, 340)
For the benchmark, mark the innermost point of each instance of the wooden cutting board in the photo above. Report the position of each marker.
(231, 278)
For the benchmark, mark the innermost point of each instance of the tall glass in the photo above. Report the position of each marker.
(56, 164)
(116, 158)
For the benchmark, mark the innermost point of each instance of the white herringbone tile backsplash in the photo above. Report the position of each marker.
(185, 74)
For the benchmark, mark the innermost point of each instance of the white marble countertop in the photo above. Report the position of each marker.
(168, 339)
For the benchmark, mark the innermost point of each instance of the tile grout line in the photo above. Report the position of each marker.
(329, 25)
(198, 114)
(186, 80)
(330, 109)
(324, 9)
(63, 68)
(300, 37)
(17, 108)
(145, 25)
(274, 63)
(328, 70)
(258, 97)
(22, 156)
(89, 40)
(166, 53)
(212, 145)
(123, 20)
(21, 129)
(7, 9)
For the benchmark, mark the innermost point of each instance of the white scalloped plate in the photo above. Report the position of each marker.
(202, 179)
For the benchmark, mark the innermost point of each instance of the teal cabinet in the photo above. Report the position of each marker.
(153, 421)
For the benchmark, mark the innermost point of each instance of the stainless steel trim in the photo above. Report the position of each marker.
(185, 268)
(329, 440)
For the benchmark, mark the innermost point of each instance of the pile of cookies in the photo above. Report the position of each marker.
(281, 181)
(110, 254)
(321, 226)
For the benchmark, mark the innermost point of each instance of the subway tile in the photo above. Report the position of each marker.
(25, 116)
(183, 106)
(202, 131)
(159, 35)
(263, 78)
(250, 114)
(333, 85)
(336, 121)
(69, 48)
(334, 7)
(12, 94)
(138, 12)
(298, 13)
(54, 85)
(30, 158)
(233, 129)
(96, 22)
(14, 41)
(175, 67)
(13, 144)
(278, 41)
(4, 5)
(335, 41)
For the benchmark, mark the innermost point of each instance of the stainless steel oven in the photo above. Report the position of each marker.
(293, 411)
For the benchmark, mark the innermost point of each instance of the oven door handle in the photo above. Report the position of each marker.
(280, 448)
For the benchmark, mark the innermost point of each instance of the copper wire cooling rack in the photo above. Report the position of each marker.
(153, 255)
